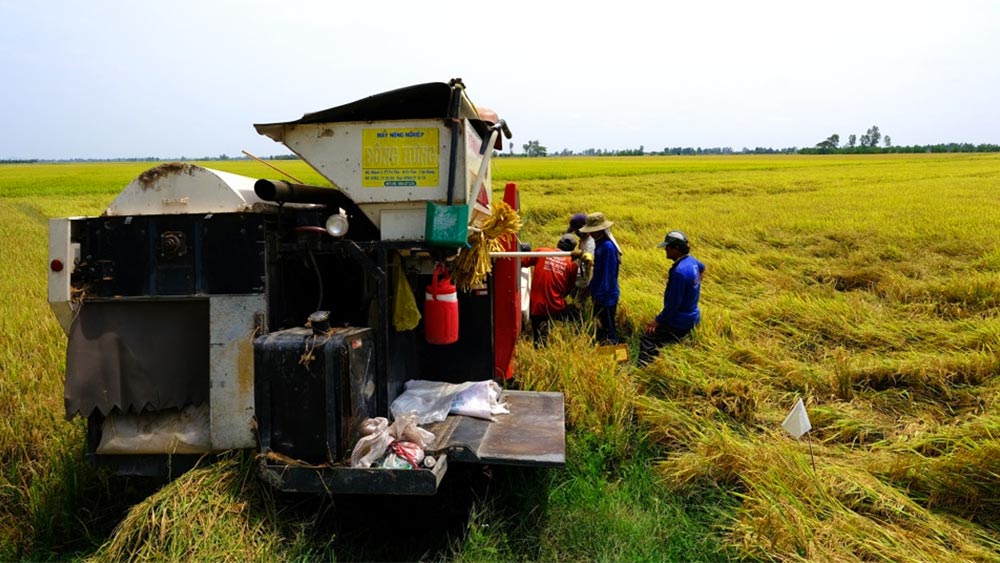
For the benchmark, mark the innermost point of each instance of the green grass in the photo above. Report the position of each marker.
(865, 284)
(602, 508)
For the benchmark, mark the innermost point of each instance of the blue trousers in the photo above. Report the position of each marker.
(605, 315)
(650, 344)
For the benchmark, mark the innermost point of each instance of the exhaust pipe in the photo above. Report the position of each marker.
(280, 191)
(285, 192)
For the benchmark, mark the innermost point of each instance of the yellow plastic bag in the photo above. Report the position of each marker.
(405, 315)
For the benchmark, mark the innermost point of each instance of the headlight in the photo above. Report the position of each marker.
(337, 225)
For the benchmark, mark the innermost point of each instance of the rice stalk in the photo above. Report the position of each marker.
(215, 512)
(840, 512)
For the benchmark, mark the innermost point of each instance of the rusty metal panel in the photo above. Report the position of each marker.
(233, 322)
(179, 188)
(353, 480)
(534, 433)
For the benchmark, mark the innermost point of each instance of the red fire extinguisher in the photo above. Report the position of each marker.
(441, 309)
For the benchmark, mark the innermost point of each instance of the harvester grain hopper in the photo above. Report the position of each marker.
(207, 311)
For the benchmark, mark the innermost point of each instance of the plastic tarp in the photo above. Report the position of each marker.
(137, 356)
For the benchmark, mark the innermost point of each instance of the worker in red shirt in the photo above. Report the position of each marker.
(552, 280)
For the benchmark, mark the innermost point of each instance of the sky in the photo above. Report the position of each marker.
(131, 79)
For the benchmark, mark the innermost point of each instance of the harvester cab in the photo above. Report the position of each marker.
(207, 311)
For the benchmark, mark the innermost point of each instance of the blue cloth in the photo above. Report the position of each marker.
(604, 285)
(680, 297)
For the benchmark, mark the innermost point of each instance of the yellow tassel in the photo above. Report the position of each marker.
(473, 264)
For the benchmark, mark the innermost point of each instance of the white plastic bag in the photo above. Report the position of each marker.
(432, 401)
(479, 399)
(373, 443)
(405, 429)
(378, 434)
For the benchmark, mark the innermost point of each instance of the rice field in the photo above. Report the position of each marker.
(869, 286)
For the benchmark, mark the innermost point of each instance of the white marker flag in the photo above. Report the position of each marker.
(797, 421)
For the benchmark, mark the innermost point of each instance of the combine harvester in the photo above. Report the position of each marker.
(208, 311)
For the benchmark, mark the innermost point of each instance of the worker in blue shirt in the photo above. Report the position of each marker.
(680, 312)
(604, 284)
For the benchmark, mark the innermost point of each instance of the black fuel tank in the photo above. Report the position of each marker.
(312, 391)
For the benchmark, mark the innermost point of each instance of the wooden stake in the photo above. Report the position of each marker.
(811, 451)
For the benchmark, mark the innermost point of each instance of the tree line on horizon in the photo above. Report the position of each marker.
(867, 143)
